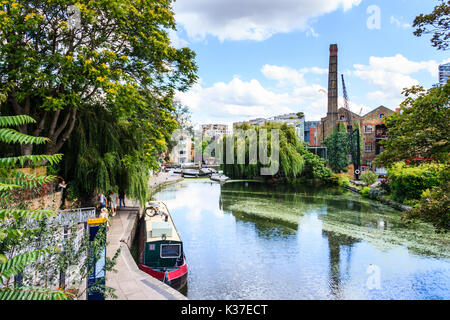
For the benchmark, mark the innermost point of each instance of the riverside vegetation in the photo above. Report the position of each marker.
(103, 94)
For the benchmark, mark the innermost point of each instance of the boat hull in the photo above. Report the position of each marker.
(176, 278)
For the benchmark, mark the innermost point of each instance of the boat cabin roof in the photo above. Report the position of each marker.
(158, 222)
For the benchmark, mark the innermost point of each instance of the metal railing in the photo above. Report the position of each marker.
(79, 215)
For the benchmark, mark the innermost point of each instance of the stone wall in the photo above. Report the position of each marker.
(50, 201)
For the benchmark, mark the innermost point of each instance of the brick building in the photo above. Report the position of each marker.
(374, 131)
(372, 125)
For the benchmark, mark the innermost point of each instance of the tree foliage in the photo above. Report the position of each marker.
(13, 226)
(408, 182)
(436, 23)
(294, 161)
(108, 151)
(421, 129)
(338, 148)
(433, 207)
(118, 51)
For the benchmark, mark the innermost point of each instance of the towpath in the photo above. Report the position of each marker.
(129, 282)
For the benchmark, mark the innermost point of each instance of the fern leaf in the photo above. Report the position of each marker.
(30, 293)
(27, 214)
(7, 187)
(17, 263)
(35, 159)
(13, 136)
(26, 180)
(14, 121)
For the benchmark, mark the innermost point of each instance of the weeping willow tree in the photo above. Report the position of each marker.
(294, 161)
(112, 149)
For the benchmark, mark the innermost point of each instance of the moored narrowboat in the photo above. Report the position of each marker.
(162, 257)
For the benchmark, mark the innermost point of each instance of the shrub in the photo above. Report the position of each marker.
(315, 167)
(369, 177)
(433, 207)
(384, 184)
(365, 192)
(342, 179)
(408, 182)
(376, 192)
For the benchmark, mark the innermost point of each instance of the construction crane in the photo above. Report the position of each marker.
(356, 162)
(346, 107)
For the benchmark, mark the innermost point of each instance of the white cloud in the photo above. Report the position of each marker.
(240, 100)
(176, 41)
(311, 32)
(314, 70)
(236, 100)
(284, 75)
(252, 19)
(400, 64)
(287, 76)
(390, 75)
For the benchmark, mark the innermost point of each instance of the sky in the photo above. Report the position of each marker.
(260, 58)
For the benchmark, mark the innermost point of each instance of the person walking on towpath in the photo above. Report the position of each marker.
(121, 198)
(101, 201)
(114, 198)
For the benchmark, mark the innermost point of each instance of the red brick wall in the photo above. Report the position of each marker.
(313, 141)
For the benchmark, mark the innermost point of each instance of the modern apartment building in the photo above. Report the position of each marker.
(297, 120)
(444, 73)
(183, 152)
(214, 131)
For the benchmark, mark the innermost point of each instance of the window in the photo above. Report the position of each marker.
(381, 115)
(170, 250)
(368, 128)
(342, 118)
(368, 147)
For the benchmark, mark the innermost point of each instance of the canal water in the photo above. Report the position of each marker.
(247, 240)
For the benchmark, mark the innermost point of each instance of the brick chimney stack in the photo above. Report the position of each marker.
(333, 83)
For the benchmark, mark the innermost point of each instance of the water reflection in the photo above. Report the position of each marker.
(336, 243)
(259, 242)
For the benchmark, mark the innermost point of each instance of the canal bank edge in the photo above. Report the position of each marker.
(138, 285)
(384, 200)
(157, 183)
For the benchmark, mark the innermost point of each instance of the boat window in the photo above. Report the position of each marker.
(170, 250)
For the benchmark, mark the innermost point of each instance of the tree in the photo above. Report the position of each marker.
(338, 148)
(118, 51)
(30, 240)
(294, 161)
(436, 23)
(421, 128)
(354, 143)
